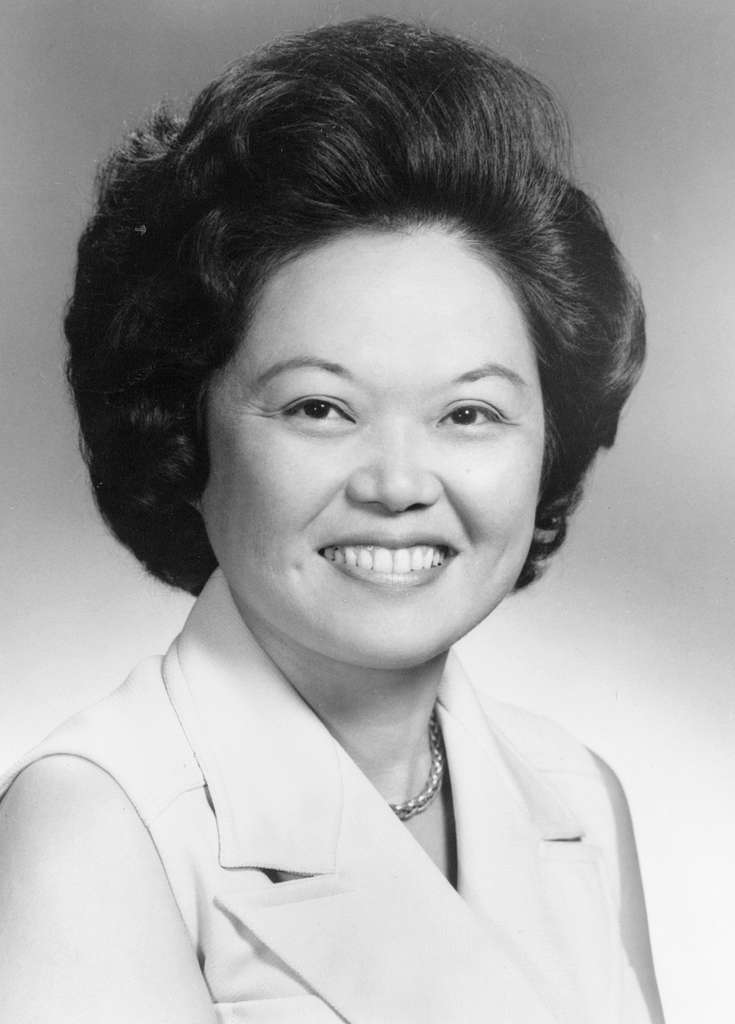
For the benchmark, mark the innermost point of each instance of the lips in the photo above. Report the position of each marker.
(374, 558)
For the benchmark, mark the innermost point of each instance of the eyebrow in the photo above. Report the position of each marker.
(491, 370)
(300, 363)
(314, 363)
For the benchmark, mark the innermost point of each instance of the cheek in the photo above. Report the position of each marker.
(232, 495)
(260, 498)
(501, 493)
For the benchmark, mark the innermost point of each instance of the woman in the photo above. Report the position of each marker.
(343, 344)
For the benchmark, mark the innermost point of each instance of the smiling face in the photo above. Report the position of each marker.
(376, 446)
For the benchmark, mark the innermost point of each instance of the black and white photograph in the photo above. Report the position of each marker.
(367, 391)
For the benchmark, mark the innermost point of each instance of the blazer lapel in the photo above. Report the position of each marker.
(365, 918)
(522, 864)
(385, 937)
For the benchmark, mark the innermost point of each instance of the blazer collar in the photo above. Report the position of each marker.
(268, 762)
(482, 755)
(275, 773)
(366, 918)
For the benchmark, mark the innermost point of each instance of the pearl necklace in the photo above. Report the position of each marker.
(433, 785)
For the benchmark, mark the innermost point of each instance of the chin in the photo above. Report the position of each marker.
(388, 657)
(392, 645)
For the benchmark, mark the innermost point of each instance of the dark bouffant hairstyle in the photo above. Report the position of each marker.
(371, 124)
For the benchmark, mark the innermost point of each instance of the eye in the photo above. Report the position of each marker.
(316, 409)
(473, 416)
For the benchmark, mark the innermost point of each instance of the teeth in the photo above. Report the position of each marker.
(389, 561)
(401, 560)
(382, 560)
(364, 558)
(438, 558)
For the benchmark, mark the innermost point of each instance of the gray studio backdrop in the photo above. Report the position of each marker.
(628, 641)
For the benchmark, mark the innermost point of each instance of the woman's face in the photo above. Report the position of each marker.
(376, 447)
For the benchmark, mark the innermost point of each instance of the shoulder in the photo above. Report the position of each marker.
(85, 905)
(63, 811)
(585, 783)
(592, 790)
(133, 734)
(581, 781)
(60, 791)
(542, 743)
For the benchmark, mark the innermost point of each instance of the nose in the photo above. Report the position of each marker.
(394, 476)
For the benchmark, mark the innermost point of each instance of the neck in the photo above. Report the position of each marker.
(379, 716)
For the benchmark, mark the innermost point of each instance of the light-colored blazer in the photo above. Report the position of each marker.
(306, 898)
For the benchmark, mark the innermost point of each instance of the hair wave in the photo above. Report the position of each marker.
(371, 124)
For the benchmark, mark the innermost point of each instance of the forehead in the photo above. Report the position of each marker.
(419, 301)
